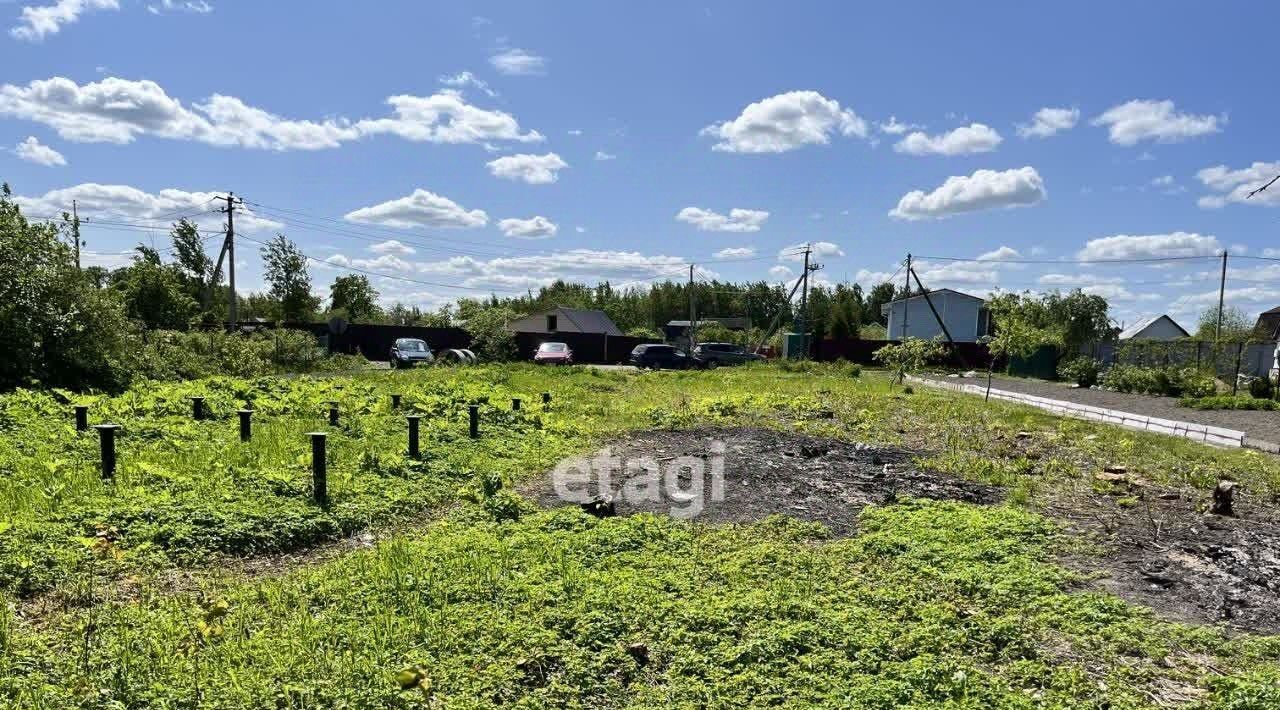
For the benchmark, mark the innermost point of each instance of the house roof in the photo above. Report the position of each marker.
(1146, 322)
(1269, 323)
(884, 308)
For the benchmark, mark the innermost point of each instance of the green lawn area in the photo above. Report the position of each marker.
(472, 598)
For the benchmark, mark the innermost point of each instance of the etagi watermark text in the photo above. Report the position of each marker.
(680, 483)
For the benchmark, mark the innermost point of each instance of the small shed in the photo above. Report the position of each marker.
(1268, 325)
(566, 320)
(1160, 327)
(966, 316)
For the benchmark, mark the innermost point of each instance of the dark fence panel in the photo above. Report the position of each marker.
(1255, 358)
(594, 348)
(971, 355)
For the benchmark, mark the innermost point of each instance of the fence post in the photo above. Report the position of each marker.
(546, 400)
(515, 404)
(473, 415)
(414, 420)
(245, 431)
(197, 408)
(1235, 380)
(107, 445)
(395, 401)
(319, 468)
(333, 412)
(82, 417)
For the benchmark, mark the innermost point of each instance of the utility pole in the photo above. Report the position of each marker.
(906, 295)
(229, 249)
(804, 299)
(1222, 289)
(75, 231)
(693, 316)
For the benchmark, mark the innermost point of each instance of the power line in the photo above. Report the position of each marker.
(997, 262)
(379, 274)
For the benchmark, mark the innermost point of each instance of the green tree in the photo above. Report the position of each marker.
(286, 272)
(1235, 325)
(880, 294)
(58, 328)
(354, 295)
(911, 355)
(155, 294)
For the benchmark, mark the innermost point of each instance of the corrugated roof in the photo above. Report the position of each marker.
(590, 320)
(1143, 323)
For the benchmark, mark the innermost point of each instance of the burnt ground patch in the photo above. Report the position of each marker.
(765, 472)
(1161, 548)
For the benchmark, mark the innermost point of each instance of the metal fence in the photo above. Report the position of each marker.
(1228, 360)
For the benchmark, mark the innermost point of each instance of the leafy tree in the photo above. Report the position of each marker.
(356, 296)
(58, 328)
(286, 272)
(1068, 321)
(488, 327)
(880, 294)
(1235, 325)
(154, 293)
(911, 355)
(97, 275)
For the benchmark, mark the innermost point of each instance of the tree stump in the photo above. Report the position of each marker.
(1222, 498)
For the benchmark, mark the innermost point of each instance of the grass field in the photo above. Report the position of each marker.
(130, 594)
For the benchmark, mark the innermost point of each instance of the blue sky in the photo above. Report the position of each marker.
(502, 145)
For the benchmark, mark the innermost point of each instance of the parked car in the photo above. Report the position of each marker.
(717, 354)
(553, 354)
(656, 357)
(407, 352)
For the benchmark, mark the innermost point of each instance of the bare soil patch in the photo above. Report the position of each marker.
(768, 472)
(1163, 550)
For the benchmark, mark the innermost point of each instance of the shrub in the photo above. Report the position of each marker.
(909, 356)
(1167, 381)
(1082, 370)
(1228, 402)
(1261, 388)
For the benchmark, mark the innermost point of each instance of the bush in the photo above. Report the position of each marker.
(909, 356)
(1167, 381)
(1228, 402)
(175, 355)
(1082, 370)
(1261, 388)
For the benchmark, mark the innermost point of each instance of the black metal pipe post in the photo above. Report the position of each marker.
(82, 417)
(473, 413)
(333, 413)
(107, 443)
(414, 421)
(246, 432)
(546, 400)
(515, 404)
(319, 468)
(395, 401)
(197, 408)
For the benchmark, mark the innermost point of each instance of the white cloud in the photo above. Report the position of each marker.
(785, 122)
(1158, 121)
(118, 201)
(1271, 252)
(738, 220)
(33, 151)
(985, 189)
(38, 22)
(575, 131)
(1048, 122)
(974, 138)
(580, 229)
(894, 128)
(118, 111)
(533, 169)
(778, 271)
(1243, 297)
(420, 209)
(518, 62)
(1078, 279)
(1150, 246)
(736, 252)
(1163, 181)
(1004, 253)
(537, 227)
(1234, 186)
(393, 246)
(795, 251)
(464, 79)
(601, 155)
(198, 7)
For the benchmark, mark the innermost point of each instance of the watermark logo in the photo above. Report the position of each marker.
(681, 484)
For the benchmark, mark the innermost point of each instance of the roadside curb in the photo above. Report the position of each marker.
(1204, 433)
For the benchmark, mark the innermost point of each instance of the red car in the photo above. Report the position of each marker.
(553, 354)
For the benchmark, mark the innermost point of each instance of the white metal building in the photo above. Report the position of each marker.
(1160, 327)
(966, 316)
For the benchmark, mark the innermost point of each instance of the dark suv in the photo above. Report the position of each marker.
(716, 354)
(656, 357)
